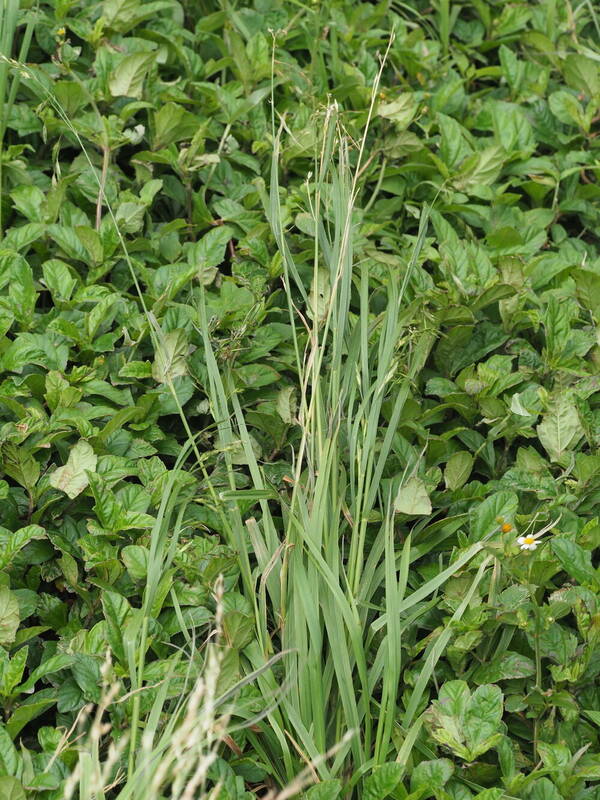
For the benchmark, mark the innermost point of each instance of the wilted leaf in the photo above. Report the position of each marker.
(9, 615)
(128, 78)
(170, 357)
(401, 111)
(72, 478)
(412, 498)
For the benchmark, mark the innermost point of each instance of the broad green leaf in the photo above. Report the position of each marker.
(505, 667)
(71, 95)
(72, 478)
(128, 77)
(9, 615)
(107, 508)
(432, 774)
(464, 346)
(256, 375)
(69, 697)
(29, 200)
(47, 350)
(325, 790)
(556, 757)
(48, 667)
(43, 782)
(12, 672)
(149, 191)
(21, 291)
(58, 279)
(171, 356)
(496, 509)
(123, 15)
(31, 709)
(135, 559)
(258, 51)
(512, 68)
(11, 789)
(454, 698)
(192, 618)
(86, 672)
(20, 465)
(576, 561)
(588, 767)
(136, 369)
(557, 324)
(544, 789)
(209, 252)
(9, 757)
(286, 404)
(561, 428)
(238, 629)
(456, 142)
(512, 129)
(68, 241)
(582, 74)
(59, 392)
(22, 237)
(480, 169)
(458, 469)
(594, 716)
(510, 20)
(11, 542)
(482, 717)
(172, 123)
(130, 216)
(116, 609)
(92, 242)
(557, 643)
(567, 108)
(382, 781)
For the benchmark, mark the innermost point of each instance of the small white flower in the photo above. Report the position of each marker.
(527, 542)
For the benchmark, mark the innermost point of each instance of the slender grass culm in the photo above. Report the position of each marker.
(9, 14)
(9, 79)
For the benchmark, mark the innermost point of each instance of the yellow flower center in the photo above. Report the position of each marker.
(528, 540)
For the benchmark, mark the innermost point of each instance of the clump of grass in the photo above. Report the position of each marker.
(315, 586)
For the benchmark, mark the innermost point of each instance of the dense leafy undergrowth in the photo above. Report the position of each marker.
(299, 407)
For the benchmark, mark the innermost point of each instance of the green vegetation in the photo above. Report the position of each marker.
(299, 400)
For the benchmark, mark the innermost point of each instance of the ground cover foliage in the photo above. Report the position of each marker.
(299, 415)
